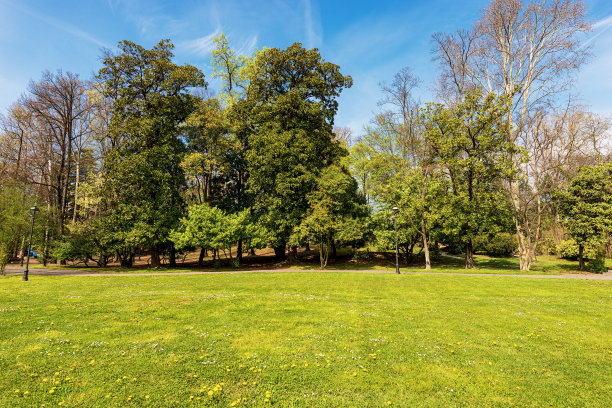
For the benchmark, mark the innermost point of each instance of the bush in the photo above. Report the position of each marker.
(496, 245)
(362, 254)
(568, 249)
(597, 265)
(546, 246)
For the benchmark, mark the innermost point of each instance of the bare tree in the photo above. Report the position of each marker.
(536, 48)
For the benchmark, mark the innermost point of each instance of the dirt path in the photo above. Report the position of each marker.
(72, 272)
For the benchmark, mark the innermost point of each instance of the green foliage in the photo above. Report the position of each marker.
(337, 211)
(290, 106)
(597, 264)
(231, 69)
(210, 228)
(362, 254)
(85, 242)
(586, 206)
(14, 221)
(470, 142)
(546, 246)
(494, 245)
(569, 249)
(143, 177)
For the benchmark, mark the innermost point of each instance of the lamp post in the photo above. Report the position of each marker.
(395, 210)
(27, 269)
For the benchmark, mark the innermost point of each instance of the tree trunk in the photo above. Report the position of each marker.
(201, 257)
(426, 249)
(581, 256)
(239, 251)
(76, 187)
(22, 251)
(279, 252)
(307, 247)
(293, 258)
(155, 261)
(469, 255)
(127, 260)
(172, 263)
(323, 254)
(333, 247)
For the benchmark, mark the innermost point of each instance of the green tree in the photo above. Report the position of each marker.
(143, 177)
(470, 143)
(586, 207)
(337, 212)
(210, 228)
(290, 105)
(14, 221)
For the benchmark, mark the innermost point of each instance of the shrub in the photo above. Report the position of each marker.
(597, 264)
(496, 245)
(568, 249)
(546, 246)
(362, 254)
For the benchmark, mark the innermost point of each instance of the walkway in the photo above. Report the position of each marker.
(11, 270)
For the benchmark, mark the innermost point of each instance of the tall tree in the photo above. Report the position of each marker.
(536, 45)
(143, 177)
(291, 104)
(470, 142)
(586, 207)
(337, 211)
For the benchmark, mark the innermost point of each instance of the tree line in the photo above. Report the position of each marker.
(144, 157)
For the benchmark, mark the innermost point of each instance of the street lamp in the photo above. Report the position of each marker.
(395, 210)
(27, 269)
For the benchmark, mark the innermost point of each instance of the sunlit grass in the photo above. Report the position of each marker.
(305, 339)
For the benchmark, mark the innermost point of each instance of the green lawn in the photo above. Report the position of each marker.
(305, 339)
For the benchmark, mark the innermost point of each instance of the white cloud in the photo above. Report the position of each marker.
(603, 22)
(312, 24)
(248, 46)
(204, 45)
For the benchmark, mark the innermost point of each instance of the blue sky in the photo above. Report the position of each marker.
(370, 40)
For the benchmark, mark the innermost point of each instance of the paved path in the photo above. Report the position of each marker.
(11, 270)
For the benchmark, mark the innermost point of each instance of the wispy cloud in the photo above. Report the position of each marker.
(603, 22)
(60, 25)
(202, 46)
(312, 24)
(599, 27)
(248, 46)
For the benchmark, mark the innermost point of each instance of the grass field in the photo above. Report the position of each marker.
(305, 339)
